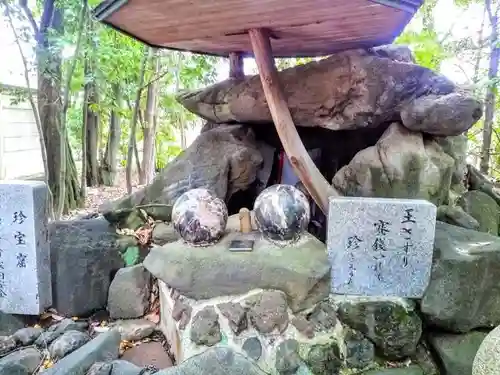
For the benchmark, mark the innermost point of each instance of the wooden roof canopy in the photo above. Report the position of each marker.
(283, 28)
(298, 27)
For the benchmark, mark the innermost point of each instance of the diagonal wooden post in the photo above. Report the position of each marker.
(300, 160)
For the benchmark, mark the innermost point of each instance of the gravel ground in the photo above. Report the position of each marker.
(101, 194)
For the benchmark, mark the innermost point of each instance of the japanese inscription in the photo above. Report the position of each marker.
(3, 293)
(380, 246)
(25, 280)
(19, 217)
(353, 243)
(408, 219)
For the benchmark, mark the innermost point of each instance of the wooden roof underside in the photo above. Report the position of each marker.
(297, 27)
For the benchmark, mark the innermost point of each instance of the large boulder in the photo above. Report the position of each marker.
(401, 165)
(457, 352)
(349, 90)
(456, 147)
(483, 208)
(301, 271)
(477, 181)
(84, 255)
(463, 292)
(455, 215)
(223, 160)
(392, 324)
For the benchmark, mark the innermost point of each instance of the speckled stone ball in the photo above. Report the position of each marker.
(200, 217)
(282, 213)
(487, 360)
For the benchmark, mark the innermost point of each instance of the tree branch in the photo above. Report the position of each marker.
(487, 5)
(450, 31)
(157, 78)
(46, 20)
(65, 104)
(29, 15)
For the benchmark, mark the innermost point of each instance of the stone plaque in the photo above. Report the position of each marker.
(380, 246)
(25, 278)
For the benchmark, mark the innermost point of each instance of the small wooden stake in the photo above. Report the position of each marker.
(301, 162)
(236, 68)
(245, 221)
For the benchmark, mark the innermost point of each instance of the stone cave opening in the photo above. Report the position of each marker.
(330, 151)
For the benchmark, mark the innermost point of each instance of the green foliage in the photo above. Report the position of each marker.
(165, 147)
(426, 46)
(113, 58)
(131, 256)
(285, 63)
(16, 95)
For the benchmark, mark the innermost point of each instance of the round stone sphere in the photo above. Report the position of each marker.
(200, 217)
(282, 213)
(487, 360)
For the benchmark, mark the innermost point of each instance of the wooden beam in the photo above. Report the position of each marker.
(300, 160)
(236, 68)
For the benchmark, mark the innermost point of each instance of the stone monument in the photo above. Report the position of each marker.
(380, 246)
(25, 278)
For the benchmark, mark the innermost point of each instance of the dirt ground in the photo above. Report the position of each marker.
(101, 194)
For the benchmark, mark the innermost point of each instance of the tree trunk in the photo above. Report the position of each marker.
(83, 176)
(147, 168)
(180, 114)
(92, 168)
(479, 53)
(133, 124)
(109, 163)
(50, 109)
(134, 141)
(489, 111)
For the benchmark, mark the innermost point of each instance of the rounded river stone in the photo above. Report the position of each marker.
(199, 217)
(282, 213)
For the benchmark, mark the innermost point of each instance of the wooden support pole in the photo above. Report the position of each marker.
(300, 160)
(236, 68)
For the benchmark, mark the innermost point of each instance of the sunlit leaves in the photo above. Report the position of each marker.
(426, 46)
(114, 59)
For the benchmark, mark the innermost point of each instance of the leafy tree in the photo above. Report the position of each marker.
(493, 14)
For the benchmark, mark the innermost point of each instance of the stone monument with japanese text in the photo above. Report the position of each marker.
(380, 246)
(25, 278)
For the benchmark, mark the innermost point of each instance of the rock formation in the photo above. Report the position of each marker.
(384, 127)
(349, 90)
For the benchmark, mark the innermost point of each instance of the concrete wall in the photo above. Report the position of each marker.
(20, 153)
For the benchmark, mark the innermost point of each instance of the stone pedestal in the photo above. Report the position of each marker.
(301, 270)
(259, 325)
(273, 307)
